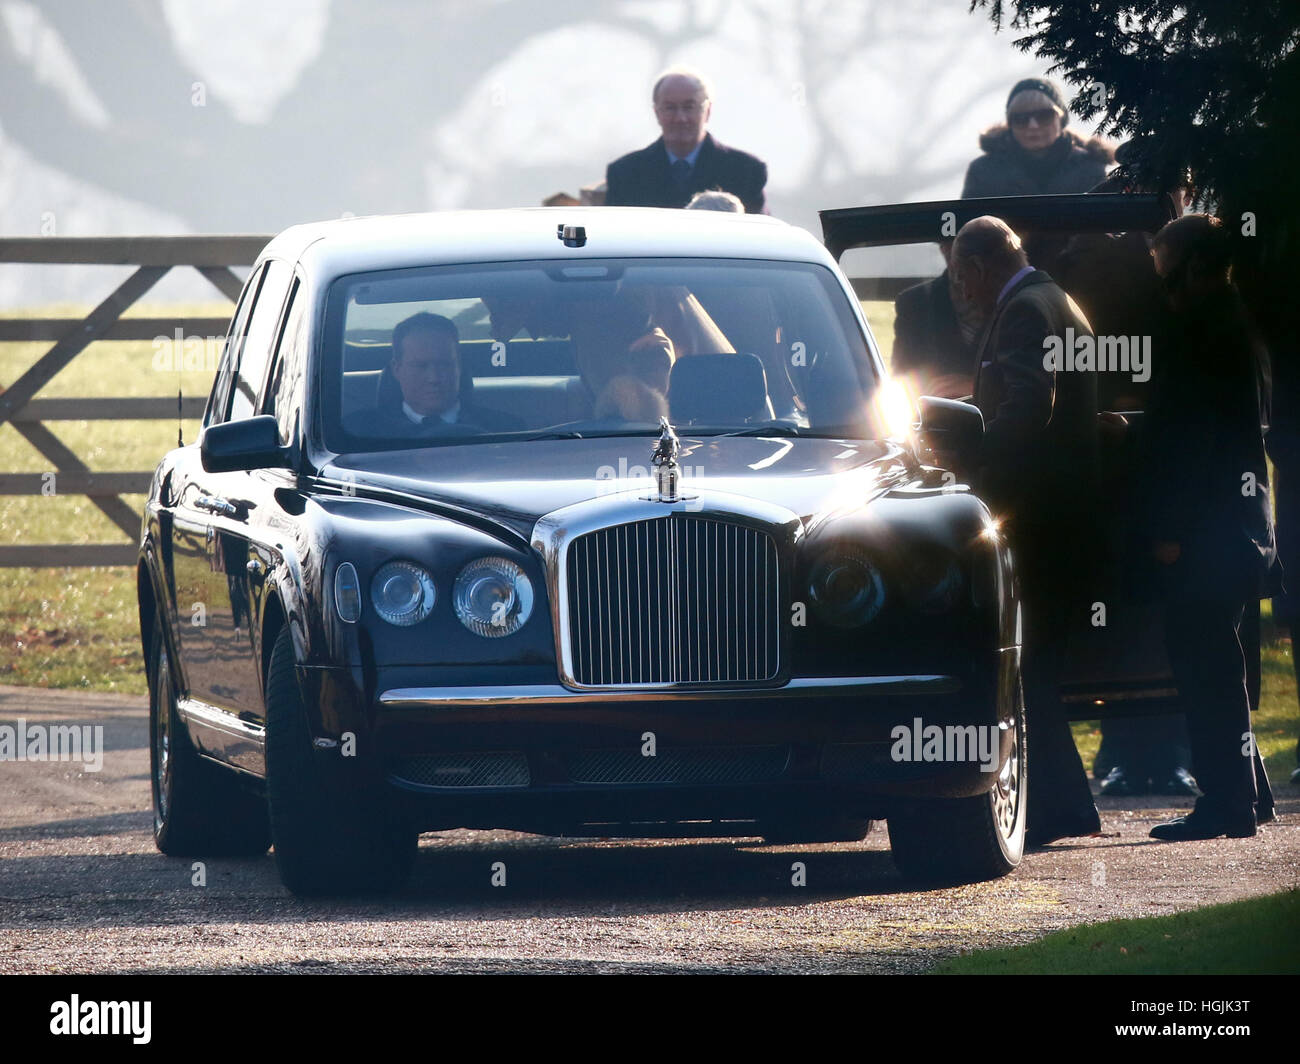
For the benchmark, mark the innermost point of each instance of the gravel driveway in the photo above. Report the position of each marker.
(82, 888)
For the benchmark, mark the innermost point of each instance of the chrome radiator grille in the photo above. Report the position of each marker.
(683, 599)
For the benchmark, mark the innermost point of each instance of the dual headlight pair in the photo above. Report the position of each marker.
(848, 589)
(491, 596)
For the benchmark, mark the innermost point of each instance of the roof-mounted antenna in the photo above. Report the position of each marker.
(572, 236)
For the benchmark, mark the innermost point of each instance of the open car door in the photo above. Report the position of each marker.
(1116, 663)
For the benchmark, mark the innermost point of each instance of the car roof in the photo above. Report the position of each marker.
(914, 223)
(352, 245)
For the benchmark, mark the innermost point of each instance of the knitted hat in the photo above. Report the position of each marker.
(1047, 88)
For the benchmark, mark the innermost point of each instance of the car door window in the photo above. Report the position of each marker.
(258, 341)
(287, 367)
(219, 398)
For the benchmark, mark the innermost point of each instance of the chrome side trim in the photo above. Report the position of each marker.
(824, 686)
(193, 711)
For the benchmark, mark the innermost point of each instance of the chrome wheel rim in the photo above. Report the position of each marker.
(162, 739)
(1006, 792)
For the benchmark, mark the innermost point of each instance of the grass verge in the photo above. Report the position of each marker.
(1250, 937)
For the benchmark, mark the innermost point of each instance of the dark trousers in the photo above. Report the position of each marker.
(1210, 670)
(1147, 748)
(1059, 785)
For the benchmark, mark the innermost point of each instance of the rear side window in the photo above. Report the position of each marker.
(258, 340)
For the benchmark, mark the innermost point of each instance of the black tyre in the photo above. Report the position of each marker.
(334, 828)
(964, 840)
(829, 828)
(199, 808)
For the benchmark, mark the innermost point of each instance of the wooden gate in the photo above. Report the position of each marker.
(153, 257)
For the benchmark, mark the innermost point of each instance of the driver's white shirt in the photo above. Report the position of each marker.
(449, 415)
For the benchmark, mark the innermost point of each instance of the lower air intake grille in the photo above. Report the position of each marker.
(748, 764)
(464, 770)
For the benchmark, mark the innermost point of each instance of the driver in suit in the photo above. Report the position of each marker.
(426, 367)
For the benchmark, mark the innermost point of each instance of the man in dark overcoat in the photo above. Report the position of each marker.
(1037, 472)
(686, 159)
(1208, 519)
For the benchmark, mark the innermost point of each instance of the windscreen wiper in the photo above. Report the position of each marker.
(753, 430)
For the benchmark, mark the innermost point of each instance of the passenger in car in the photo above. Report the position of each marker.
(623, 357)
(628, 398)
(678, 312)
(740, 319)
(431, 396)
(616, 338)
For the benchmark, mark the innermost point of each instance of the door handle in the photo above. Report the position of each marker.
(217, 506)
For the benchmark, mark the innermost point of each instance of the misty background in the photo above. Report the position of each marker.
(181, 116)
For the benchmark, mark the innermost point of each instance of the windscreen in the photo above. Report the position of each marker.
(530, 350)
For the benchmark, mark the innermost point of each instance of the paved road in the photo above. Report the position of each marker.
(82, 888)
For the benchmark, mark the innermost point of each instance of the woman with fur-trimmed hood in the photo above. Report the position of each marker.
(1032, 153)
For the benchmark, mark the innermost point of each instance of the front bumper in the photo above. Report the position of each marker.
(438, 698)
(542, 756)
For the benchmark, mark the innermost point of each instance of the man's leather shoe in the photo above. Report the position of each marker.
(1119, 784)
(1195, 826)
(1063, 827)
(1180, 782)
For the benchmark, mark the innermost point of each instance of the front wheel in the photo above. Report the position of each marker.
(199, 808)
(967, 839)
(335, 831)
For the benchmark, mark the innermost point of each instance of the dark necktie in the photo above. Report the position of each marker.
(681, 174)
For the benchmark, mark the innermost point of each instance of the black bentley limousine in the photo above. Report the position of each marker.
(579, 522)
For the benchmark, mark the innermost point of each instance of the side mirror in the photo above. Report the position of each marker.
(251, 443)
(950, 430)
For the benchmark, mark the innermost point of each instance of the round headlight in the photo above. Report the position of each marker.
(492, 597)
(846, 590)
(403, 593)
